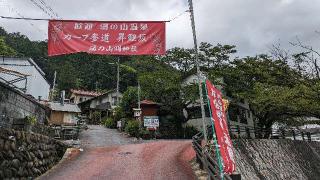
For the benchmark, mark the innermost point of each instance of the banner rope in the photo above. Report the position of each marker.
(177, 16)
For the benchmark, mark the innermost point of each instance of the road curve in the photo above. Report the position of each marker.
(159, 160)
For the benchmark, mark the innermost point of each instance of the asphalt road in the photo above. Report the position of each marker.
(118, 158)
(99, 136)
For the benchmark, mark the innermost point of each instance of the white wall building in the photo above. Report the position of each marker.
(239, 115)
(36, 84)
(104, 103)
(107, 98)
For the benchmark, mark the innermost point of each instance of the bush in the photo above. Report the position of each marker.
(132, 128)
(109, 123)
(190, 131)
(31, 120)
(118, 114)
(95, 118)
(145, 134)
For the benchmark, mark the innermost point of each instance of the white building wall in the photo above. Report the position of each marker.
(197, 122)
(104, 99)
(36, 83)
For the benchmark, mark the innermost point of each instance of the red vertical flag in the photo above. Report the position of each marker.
(106, 37)
(221, 128)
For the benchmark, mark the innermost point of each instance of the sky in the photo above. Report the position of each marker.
(252, 25)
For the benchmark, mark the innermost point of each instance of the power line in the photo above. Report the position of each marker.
(49, 8)
(43, 10)
(14, 10)
(24, 18)
(47, 19)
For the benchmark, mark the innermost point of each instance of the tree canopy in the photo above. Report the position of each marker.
(279, 87)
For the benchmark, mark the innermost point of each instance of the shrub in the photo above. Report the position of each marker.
(145, 134)
(190, 131)
(109, 123)
(31, 120)
(118, 114)
(96, 118)
(132, 128)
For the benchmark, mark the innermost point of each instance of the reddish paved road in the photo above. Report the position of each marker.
(154, 160)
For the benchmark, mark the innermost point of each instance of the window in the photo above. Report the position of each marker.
(233, 113)
(114, 101)
(81, 99)
(195, 112)
(248, 114)
(243, 117)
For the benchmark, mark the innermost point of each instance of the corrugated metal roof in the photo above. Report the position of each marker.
(67, 107)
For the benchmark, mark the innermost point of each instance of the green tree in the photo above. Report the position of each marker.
(5, 50)
(129, 101)
(215, 56)
(275, 90)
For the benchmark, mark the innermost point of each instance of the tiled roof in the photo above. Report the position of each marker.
(85, 93)
(148, 102)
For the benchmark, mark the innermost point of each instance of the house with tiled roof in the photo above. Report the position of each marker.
(104, 103)
(78, 96)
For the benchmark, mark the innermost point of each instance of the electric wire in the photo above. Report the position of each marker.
(42, 9)
(48, 19)
(48, 7)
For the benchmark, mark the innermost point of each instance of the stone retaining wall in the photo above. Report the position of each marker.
(277, 159)
(15, 106)
(25, 155)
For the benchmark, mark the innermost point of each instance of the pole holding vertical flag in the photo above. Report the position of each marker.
(204, 126)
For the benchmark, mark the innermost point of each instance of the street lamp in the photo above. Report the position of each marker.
(118, 77)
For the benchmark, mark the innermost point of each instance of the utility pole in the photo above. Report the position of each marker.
(138, 94)
(118, 77)
(53, 86)
(198, 70)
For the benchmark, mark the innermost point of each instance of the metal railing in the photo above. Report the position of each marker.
(205, 155)
(248, 132)
(207, 161)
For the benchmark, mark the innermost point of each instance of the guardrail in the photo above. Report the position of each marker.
(249, 132)
(207, 161)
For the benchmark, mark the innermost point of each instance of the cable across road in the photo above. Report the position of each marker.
(47, 19)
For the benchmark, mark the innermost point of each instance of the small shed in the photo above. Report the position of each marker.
(149, 108)
(63, 113)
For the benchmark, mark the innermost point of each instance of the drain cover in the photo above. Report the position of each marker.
(124, 153)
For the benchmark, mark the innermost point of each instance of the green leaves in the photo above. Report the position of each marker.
(275, 91)
(5, 50)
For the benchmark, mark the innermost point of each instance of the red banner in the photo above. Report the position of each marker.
(106, 37)
(221, 128)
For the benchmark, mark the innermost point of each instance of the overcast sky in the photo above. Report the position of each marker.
(252, 25)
